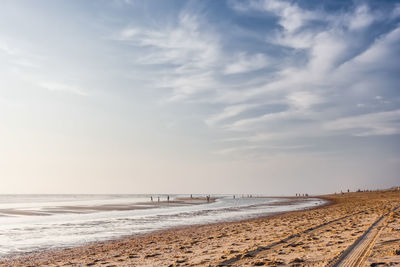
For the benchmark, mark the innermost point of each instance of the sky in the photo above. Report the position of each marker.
(263, 97)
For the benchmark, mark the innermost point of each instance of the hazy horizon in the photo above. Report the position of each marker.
(230, 97)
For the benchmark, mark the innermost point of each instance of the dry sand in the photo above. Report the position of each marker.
(355, 229)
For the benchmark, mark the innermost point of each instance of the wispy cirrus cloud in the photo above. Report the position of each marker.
(247, 63)
(188, 52)
(291, 16)
(185, 44)
(311, 90)
(321, 60)
(63, 87)
(6, 48)
(303, 100)
(16, 55)
(361, 18)
(371, 124)
(228, 112)
(29, 67)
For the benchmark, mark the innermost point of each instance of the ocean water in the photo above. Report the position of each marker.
(30, 223)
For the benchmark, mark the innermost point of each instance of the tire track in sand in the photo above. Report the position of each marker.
(357, 253)
(291, 239)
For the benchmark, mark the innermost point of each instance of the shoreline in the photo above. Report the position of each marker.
(182, 201)
(313, 236)
(173, 203)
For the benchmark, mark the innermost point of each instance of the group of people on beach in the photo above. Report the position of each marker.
(300, 195)
(158, 198)
(208, 197)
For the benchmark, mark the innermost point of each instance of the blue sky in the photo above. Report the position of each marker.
(274, 97)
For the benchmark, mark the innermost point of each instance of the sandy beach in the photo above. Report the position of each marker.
(354, 229)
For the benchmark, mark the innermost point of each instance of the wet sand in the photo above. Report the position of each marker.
(355, 227)
(108, 207)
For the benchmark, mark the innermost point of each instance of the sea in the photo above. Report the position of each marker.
(31, 223)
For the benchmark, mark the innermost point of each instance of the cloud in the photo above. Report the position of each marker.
(184, 86)
(303, 100)
(261, 122)
(239, 149)
(315, 66)
(361, 18)
(188, 52)
(185, 45)
(381, 50)
(8, 49)
(379, 123)
(291, 16)
(332, 61)
(396, 12)
(17, 55)
(250, 149)
(246, 63)
(56, 86)
(228, 112)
